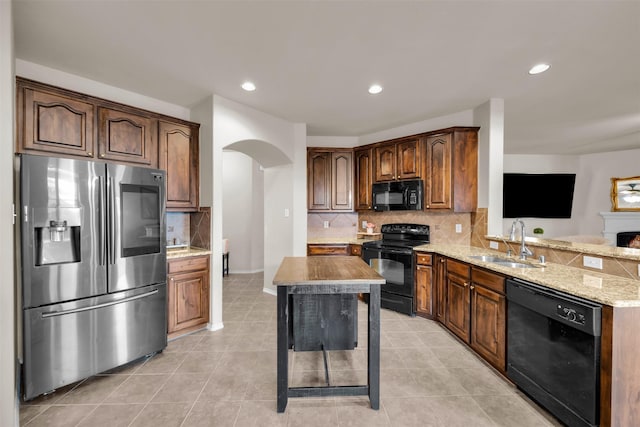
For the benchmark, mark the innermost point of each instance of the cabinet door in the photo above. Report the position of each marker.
(465, 163)
(424, 291)
(385, 162)
(488, 317)
(319, 180)
(408, 159)
(179, 158)
(440, 285)
(127, 138)
(188, 300)
(457, 314)
(438, 188)
(342, 181)
(54, 124)
(364, 179)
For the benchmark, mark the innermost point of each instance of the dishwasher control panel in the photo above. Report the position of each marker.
(571, 314)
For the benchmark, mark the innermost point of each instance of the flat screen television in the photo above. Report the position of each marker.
(548, 195)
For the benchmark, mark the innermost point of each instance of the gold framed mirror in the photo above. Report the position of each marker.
(625, 194)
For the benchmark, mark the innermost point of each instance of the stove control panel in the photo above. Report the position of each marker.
(417, 229)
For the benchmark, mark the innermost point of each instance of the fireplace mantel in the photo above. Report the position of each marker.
(615, 222)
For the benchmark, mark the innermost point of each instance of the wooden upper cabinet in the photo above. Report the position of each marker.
(127, 138)
(53, 123)
(342, 180)
(408, 152)
(385, 162)
(364, 178)
(438, 188)
(451, 170)
(178, 146)
(319, 180)
(399, 159)
(329, 180)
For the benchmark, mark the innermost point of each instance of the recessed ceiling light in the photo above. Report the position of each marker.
(248, 86)
(375, 89)
(539, 68)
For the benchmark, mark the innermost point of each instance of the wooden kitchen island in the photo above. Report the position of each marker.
(323, 277)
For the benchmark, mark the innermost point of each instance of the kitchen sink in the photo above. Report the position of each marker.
(505, 262)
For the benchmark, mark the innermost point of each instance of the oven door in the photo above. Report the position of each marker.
(395, 265)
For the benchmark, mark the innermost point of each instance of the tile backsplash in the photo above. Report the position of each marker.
(442, 225)
(177, 228)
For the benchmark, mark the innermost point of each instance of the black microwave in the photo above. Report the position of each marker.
(398, 195)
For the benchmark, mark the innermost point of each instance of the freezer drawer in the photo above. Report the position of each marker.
(67, 342)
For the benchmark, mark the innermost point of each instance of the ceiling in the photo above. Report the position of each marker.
(312, 61)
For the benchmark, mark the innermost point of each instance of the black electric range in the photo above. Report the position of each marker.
(392, 257)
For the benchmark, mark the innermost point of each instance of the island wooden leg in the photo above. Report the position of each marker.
(373, 374)
(283, 349)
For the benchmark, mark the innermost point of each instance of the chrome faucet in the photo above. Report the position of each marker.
(524, 250)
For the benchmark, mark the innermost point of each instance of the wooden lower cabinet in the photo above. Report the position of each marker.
(457, 315)
(489, 317)
(424, 300)
(188, 294)
(468, 300)
(439, 275)
(355, 250)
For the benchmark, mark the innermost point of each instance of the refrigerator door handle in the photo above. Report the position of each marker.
(112, 216)
(93, 307)
(102, 244)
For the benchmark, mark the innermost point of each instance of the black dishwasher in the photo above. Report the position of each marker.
(553, 350)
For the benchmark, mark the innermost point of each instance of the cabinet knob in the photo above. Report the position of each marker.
(466, 284)
(102, 155)
(89, 154)
(472, 287)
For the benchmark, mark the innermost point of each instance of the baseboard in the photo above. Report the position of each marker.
(215, 326)
(270, 291)
(260, 270)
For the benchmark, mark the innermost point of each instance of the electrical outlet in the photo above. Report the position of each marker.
(170, 228)
(364, 224)
(593, 262)
(458, 228)
(638, 269)
(286, 212)
(326, 224)
(494, 245)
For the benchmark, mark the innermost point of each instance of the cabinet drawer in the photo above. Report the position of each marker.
(459, 268)
(423, 259)
(355, 250)
(327, 249)
(189, 264)
(488, 280)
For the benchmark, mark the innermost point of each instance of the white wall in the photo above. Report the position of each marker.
(490, 117)
(333, 141)
(243, 212)
(463, 118)
(530, 163)
(69, 81)
(236, 123)
(593, 187)
(8, 386)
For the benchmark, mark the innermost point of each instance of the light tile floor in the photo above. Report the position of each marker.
(228, 378)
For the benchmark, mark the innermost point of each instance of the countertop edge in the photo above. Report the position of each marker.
(599, 287)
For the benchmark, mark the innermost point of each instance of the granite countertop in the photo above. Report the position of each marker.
(186, 252)
(603, 288)
(587, 248)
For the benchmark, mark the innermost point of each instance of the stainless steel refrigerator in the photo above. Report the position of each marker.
(93, 276)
